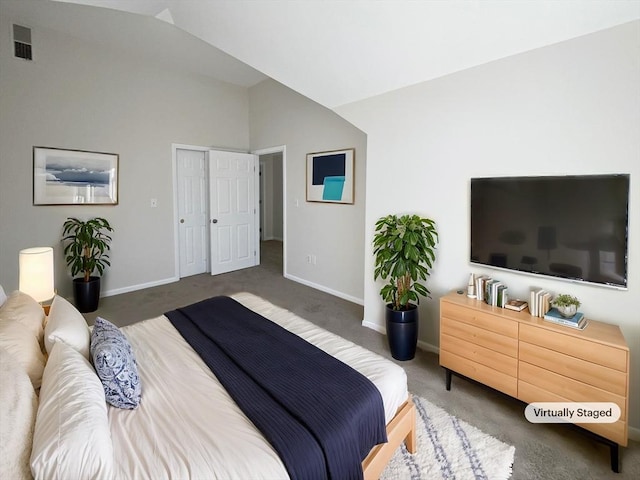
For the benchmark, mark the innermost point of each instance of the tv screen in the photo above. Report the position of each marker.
(570, 227)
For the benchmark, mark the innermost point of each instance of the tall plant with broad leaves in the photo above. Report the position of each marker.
(404, 250)
(87, 244)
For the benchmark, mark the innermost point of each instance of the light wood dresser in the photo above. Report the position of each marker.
(534, 360)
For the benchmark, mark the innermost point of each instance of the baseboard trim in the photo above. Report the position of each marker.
(322, 288)
(374, 326)
(427, 347)
(141, 286)
(634, 434)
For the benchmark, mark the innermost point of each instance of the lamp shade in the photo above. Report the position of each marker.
(36, 273)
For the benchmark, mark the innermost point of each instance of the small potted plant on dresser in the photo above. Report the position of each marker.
(85, 251)
(566, 304)
(404, 250)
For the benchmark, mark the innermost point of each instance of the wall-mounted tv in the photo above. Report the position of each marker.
(569, 227)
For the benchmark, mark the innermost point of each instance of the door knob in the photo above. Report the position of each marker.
(182, 220)
(215, 220)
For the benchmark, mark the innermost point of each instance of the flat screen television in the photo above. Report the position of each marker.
(568, 227)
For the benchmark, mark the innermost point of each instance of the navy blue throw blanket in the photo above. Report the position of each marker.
(320, 415)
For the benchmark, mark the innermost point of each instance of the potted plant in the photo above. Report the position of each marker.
(566, 304)
(87, 244)
(404, 250)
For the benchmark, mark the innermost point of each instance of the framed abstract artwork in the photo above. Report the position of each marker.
(330, 176)
(74, 177)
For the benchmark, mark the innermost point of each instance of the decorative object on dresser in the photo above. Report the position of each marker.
(534, 360)
(578, 320)
(404, 250)
(567, 305)
(87, 244)
(516, 304)
(471, 286)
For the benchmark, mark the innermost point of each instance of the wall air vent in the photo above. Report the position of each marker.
(22, 42)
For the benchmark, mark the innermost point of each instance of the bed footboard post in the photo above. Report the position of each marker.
(411, 440)
(402, 428)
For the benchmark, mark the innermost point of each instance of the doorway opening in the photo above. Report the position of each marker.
(272, 208)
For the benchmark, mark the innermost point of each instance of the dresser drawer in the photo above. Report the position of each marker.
(605, 378)
(476, 353)
(574, 346)
(479, 336)
(616, 431)
(486, 321)
(567, 388)
(483, 374)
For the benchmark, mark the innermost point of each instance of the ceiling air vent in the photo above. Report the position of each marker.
(22, 42)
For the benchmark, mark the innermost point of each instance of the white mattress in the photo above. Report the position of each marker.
(187, 426)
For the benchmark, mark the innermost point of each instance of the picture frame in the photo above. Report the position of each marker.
(330, 176)
(74, 177)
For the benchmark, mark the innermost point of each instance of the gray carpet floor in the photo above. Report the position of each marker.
(543, 451)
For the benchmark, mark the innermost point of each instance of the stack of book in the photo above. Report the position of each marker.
(516, 304)
(577, 321)
(481, 280)
(492, 291)
(539, 302)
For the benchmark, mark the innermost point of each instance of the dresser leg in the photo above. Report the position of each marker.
(615, 457)
(448, 378)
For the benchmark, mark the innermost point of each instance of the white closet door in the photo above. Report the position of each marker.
(193, 229)
(232, 194)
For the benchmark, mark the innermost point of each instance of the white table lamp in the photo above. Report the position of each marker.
(36, 273)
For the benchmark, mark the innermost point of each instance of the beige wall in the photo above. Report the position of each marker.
(331, 232)
(81, 96)
(571, 108)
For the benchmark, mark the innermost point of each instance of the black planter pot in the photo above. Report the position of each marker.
(86, 295)
(402, 332)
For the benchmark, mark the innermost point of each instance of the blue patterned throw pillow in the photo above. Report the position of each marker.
(115, 364)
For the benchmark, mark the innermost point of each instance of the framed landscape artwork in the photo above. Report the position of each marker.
(330, 176)
(74, 177)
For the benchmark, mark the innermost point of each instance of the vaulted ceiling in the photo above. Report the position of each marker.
(333, 51)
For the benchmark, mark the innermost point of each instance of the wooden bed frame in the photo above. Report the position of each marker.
(401, 428)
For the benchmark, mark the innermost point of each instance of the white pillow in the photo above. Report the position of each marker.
(66, 324)
(18, 407)
(19, 341)
(23, 309)
(3, 296)
(71, 438)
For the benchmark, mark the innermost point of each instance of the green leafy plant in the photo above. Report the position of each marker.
(404, 250)
(87, 244)
(565, 300)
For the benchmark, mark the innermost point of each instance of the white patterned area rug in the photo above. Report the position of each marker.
(449, 448)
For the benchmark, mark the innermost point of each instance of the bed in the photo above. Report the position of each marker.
(186, 424)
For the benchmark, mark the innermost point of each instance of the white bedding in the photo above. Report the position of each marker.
(17, 418)
(187, 426)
